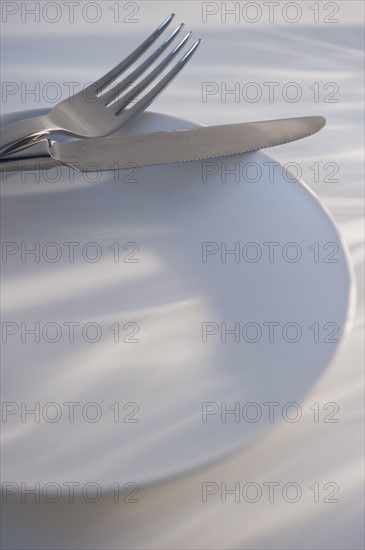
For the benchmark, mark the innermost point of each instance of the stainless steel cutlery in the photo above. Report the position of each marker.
(153, 148)
(98, 111)
(105, 106)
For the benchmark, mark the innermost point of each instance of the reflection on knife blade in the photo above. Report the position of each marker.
(155, 148)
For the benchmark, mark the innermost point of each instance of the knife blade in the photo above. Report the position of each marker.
(167, 147)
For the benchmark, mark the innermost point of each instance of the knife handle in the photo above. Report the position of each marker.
(22, 134)
(11, 166)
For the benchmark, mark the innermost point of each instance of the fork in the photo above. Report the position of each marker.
(97, 111)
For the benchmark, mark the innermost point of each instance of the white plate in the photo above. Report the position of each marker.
(169, 212)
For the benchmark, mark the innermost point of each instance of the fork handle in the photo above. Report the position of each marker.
(23, 133)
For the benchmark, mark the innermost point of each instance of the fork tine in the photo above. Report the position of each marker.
(140, 86)
(129, 114)
(114, 93)
(100, 84)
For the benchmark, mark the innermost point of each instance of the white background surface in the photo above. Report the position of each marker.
(172, 515)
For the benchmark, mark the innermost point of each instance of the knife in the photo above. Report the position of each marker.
(167, 147)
